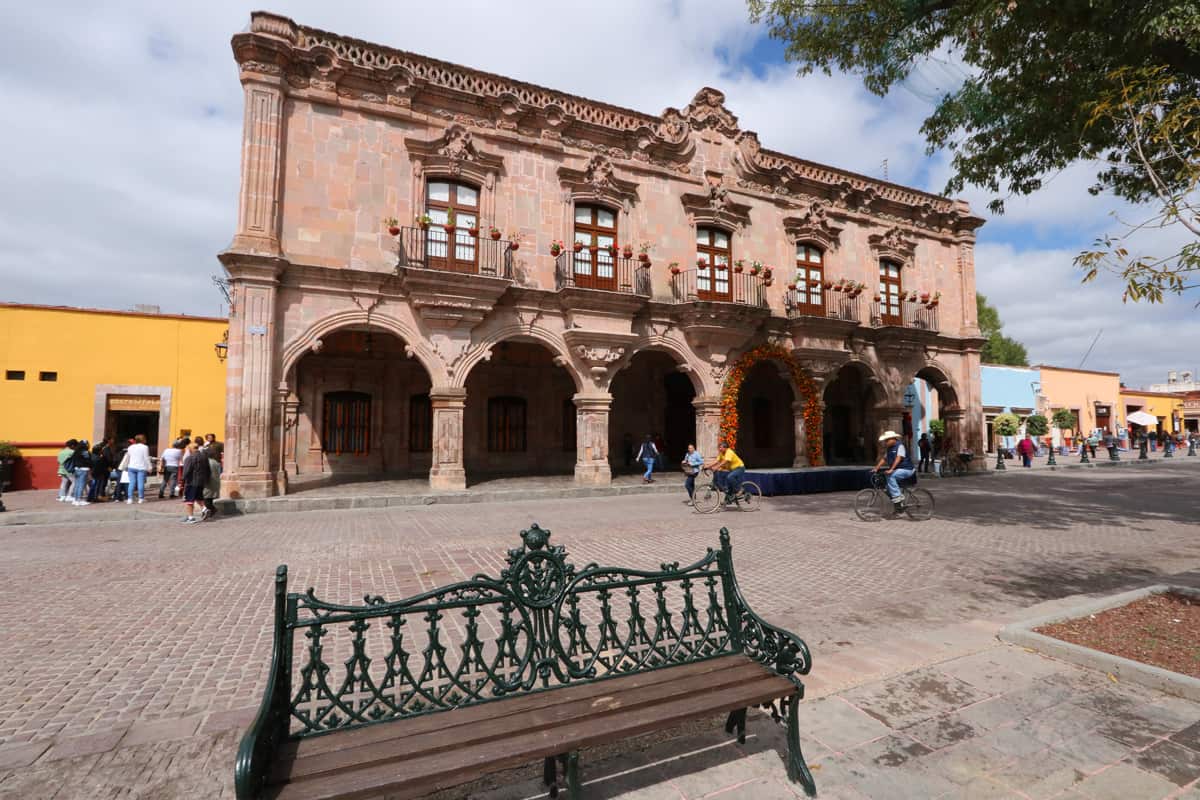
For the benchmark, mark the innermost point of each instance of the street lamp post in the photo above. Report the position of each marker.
(1191, 444)
(1050, 462)
(1083, 449)
(1142, 444)
(1000, 459)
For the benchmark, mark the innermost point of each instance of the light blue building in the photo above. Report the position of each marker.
(1007, 389)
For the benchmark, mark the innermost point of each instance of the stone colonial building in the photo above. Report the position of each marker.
(499, 324)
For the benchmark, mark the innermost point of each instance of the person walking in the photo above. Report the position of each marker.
(648, 454)
(925, 448)
(100, 467)
(1026, 449)
(169, 468)
(65, 474)
(139, 466)
(212, 489)
(692, 464)
(81, 465)
(195, 478)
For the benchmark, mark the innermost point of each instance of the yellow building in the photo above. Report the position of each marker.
(73, 373)
(1166, 406)
(1094, 398)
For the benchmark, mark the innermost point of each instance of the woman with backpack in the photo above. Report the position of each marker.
(648, 455)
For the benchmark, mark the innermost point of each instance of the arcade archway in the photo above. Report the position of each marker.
(850, 425)
(650, 396)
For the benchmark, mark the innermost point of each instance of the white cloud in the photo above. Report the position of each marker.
(121, 145)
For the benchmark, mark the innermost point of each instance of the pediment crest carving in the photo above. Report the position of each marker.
(895, 244)
(598, 179)
(707, 111)
(814, 226)
(455, 152)
(716, 205)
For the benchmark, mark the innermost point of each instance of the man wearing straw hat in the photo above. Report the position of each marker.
(896, 464)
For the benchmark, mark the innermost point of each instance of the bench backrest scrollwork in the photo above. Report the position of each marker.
(539, 625)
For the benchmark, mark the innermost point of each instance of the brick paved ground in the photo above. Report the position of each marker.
(133, 649)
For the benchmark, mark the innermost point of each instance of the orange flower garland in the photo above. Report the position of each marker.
(812, 400)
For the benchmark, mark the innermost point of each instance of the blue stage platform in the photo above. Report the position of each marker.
(810, 480)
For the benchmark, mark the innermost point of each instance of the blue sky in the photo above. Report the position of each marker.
(123, 119)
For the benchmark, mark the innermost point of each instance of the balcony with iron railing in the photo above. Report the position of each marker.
(719, 286)
(913, 314)
(830, 303)
(601, 270)
(459, 250)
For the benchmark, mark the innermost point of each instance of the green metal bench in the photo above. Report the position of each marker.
(446, 686)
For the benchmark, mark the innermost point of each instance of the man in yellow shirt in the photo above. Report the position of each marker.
(728, 470)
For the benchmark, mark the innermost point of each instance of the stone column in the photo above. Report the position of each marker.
(289, 419)
(249, 380)
(889, 418)
(708, 425)
(801, 459)
(955, 440)
(262, 159)
(591, 440)
(448, 471)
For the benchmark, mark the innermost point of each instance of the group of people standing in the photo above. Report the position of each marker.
(189, 468)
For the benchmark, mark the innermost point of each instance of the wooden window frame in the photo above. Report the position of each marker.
(507, 424)
(710, 274)
(420, 423)
(804, 294)
(590, 234)
(351, 433)
(438, 239)
(886, 284)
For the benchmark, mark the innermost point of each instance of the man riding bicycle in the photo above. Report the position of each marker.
(896, 465)
(728, 470)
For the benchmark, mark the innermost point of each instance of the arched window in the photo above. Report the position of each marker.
(713, 248)
(346, 424)
(596, 230)
(810, 272)
(506, 425)
(890, 292)
(441, 198)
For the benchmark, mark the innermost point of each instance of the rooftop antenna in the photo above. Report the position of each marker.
(1089, 350)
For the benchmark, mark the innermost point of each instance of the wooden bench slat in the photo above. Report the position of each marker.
(413, 777)
(518, 704)
(620, 694)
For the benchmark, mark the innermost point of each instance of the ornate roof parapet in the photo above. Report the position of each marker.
(347, 69)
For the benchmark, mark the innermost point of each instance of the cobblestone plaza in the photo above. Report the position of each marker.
(135, 650)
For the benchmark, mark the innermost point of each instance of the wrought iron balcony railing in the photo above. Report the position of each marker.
(913, 314)
(455, 251)
(601, 270)
(718, 286)
(832, 305)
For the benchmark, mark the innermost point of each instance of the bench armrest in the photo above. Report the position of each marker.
(772, 646)
(257, 748)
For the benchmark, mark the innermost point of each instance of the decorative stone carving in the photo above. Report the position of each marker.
(459, 303)
(716, 205)
(599, 351)
(317, 346)
(597, 181)
(707, 111)
(814, 226)
(893, 244)
(456, 153)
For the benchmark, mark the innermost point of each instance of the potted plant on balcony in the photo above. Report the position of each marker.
(627, 251)
(514, 241)
(556, 247)
(494, 232)
(792, 286)
(577, 247)
(877, 297)
(393, 226)
(702, 262)
(451, 223)
(933, 301)
(720, 266)
(755, 267)
(925, 297)
(739, 265)
(674, 266)
(424, 221)
(593, 248)
(473, 231)
(644, 252)
(768, 272)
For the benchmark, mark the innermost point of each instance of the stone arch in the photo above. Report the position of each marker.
(303, 343)
(481, 351)
(676, 351)
(937, 375)
(804, 388)
(852, 397)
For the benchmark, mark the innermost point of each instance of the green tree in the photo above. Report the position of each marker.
(1006, 424)
(1036, 425)
(997, 348)
(1032, 72)
(1064, 419)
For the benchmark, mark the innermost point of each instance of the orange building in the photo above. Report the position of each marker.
(1094, 397)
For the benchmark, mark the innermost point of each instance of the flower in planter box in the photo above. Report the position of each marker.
(644, 252)
(423, 221)
(739, 265)
(627, 250)
(393, 226)
(556, 247)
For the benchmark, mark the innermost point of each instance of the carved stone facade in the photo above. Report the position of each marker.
(340, 134)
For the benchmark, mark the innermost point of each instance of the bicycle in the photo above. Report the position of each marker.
(872, 505)
(708, 498)
(955, 465)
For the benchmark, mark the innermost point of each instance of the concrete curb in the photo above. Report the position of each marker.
(1023, 634)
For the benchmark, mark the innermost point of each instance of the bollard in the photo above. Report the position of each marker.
(1083, 454)
(1000, 460)
(1191, 446)
(1050, 462)
(1112, 453)
(1142, 445)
